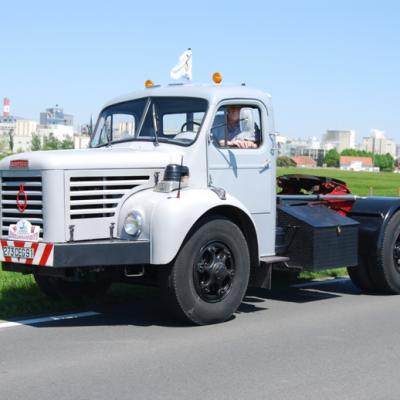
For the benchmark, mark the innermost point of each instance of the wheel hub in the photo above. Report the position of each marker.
(219, 271)
(214, 272)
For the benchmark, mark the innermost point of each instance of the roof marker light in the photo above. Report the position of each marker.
(149, 83)
(217, 78)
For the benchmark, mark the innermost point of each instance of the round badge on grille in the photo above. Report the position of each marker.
(22, 199)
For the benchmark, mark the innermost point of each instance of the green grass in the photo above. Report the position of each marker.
(20, 297)
(328, 273)
(360, 183)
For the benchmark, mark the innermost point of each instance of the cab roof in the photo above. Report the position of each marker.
(212, 93)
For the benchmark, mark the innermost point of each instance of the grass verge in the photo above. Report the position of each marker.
(20, 297)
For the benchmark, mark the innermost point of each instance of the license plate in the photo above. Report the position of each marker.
(18, 252)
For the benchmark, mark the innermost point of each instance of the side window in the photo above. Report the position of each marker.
(104, 129)
(123, 126)
(237, 125)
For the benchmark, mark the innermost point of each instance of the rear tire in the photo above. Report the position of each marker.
(210, 275)
(381, 273)
(58, 289)
(361, 277)
(387, 265)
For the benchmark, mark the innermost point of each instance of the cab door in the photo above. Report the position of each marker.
(248, 174)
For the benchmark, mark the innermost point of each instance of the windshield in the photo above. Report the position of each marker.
(159, 119)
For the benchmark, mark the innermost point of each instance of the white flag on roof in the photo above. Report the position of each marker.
(183, 70)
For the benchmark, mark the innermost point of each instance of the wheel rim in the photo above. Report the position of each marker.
(214, 272)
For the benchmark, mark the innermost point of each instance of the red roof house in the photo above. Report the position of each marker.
(304, 161)
(350, 163)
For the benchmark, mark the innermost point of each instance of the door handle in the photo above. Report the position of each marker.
(266, 164)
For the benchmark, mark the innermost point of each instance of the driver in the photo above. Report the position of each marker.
(234, 135)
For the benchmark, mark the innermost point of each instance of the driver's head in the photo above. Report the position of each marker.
(233, 114)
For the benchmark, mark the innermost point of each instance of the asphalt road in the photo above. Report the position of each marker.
(319, 342)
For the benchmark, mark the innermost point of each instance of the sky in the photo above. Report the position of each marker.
(327, 64)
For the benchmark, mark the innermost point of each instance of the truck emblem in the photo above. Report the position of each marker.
(22, 199)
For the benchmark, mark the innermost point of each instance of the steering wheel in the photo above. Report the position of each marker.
(187, 123)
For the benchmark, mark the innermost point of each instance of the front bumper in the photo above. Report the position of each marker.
(75, 254)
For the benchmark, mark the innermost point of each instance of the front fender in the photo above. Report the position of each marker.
(173, 218)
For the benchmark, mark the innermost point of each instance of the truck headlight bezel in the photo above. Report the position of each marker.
(133, 224)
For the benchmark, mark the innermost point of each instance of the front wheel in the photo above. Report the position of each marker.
(209, 278)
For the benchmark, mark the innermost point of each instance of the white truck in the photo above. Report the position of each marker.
(157, 199)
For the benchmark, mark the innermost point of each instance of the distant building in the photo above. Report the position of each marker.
(339, 140)
(22, 139)
(56, 116)
(310, 147)
(377, 143)
(349, 163)
(60, 132)
(304, 162)
(81, 141)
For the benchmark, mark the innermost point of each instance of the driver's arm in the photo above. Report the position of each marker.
(241, 144)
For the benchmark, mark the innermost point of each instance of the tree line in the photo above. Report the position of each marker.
(51, 143)
(385, 162)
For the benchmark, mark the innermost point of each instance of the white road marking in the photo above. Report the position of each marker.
(320, 283)
(34, 321)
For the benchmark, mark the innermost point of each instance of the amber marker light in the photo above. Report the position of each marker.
(217, 78)
(149, 83)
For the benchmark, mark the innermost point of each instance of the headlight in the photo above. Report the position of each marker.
(133, 223)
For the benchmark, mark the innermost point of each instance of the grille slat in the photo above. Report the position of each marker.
(98, 196)
(25, 183)
(15, 192)
(31, 202)
(10, 214)
(91, 202)
(16, 219)
(109, 183)
(92, 211)
(96, 192)
(22, 215)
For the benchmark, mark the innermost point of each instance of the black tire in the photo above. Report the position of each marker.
(58, 289)
(386, 267)
(361, 276)
(210, 275)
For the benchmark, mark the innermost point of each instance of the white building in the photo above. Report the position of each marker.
(22, 138)
(339, 139)
(81, 141)
(377, 143)
(25, 127)
(60, 132)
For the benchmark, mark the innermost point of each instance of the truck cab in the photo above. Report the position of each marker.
(160, 168)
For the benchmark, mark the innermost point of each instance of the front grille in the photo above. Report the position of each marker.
(10, 214)
(98, 196)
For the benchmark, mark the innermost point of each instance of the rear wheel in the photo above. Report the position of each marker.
(209, 278)
(57, 288)
(361, 277)
(387, 265)
(381, 273)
